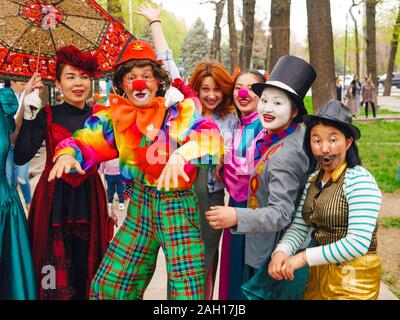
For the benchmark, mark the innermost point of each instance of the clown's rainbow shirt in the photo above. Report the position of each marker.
(144, 137)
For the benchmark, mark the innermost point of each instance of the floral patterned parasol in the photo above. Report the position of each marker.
(32, 31)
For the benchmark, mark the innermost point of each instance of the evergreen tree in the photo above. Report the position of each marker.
(195, 46)
(146, 35)
(226, 55)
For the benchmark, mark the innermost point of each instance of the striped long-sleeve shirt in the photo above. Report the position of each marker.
(364, 200)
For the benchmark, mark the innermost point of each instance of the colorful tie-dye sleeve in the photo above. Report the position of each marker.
(197, 136)
(92, 144)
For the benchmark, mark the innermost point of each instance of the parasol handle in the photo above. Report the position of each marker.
(37, 64)
(38, 57)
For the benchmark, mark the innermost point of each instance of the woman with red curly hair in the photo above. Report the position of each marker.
(68, 221)
(214, 86)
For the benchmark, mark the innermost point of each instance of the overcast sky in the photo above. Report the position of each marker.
(190, 10)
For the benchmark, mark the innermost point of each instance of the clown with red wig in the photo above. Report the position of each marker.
(159, 148)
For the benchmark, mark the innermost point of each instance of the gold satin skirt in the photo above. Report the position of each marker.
(358, 279)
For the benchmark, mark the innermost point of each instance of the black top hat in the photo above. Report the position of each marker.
(338, 114)
(292, 75)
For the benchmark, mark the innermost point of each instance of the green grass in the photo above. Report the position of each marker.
(383, 162)
(390, 280)
(379, 111)
(390, 222)
(308, 105)
(379, 131)
(379, 149)
(385, 111)
(395, 292)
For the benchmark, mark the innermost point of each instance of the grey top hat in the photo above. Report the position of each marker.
(292, 75)
(338, 114)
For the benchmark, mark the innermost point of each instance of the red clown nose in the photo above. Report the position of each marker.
(139, 85)
(243, 93)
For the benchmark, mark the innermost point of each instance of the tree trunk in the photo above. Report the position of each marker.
(248, 33)
(232, 35)
(215, 50)
(393, 52)
(370, 8)
(370, 13)
(357, 72)
(279, 30)
(268, 53)
(114, 8)
(320, 39)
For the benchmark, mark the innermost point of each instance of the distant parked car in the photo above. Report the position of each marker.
(345, 80)
(395, 80)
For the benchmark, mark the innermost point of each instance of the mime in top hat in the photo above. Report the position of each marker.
(277, 180)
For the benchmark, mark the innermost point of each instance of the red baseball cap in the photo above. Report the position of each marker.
(136, 50)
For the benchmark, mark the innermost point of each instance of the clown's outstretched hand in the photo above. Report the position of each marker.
(64, 164)
(172, 170)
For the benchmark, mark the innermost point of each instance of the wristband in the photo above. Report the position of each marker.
(154, 21)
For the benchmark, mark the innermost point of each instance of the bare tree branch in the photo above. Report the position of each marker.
(215, 50)
(320, 37)
(356, 40)
(279, 25)
(232, 35)
(247, 34)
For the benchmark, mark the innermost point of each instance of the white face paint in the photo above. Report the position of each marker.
(275, 110)
(141, 98)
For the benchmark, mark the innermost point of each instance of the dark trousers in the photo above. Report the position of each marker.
(114, 185)
(372, 107)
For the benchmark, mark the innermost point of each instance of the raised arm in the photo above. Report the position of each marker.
(153, 18)
(164, 53)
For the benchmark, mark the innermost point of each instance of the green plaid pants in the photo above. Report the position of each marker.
(167, 219)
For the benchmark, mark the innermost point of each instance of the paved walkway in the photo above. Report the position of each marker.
(391, 103)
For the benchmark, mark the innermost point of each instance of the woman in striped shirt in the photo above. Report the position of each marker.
(340, 206)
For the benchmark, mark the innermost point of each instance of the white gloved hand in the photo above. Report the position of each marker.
(172, 96)
(32, 105)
